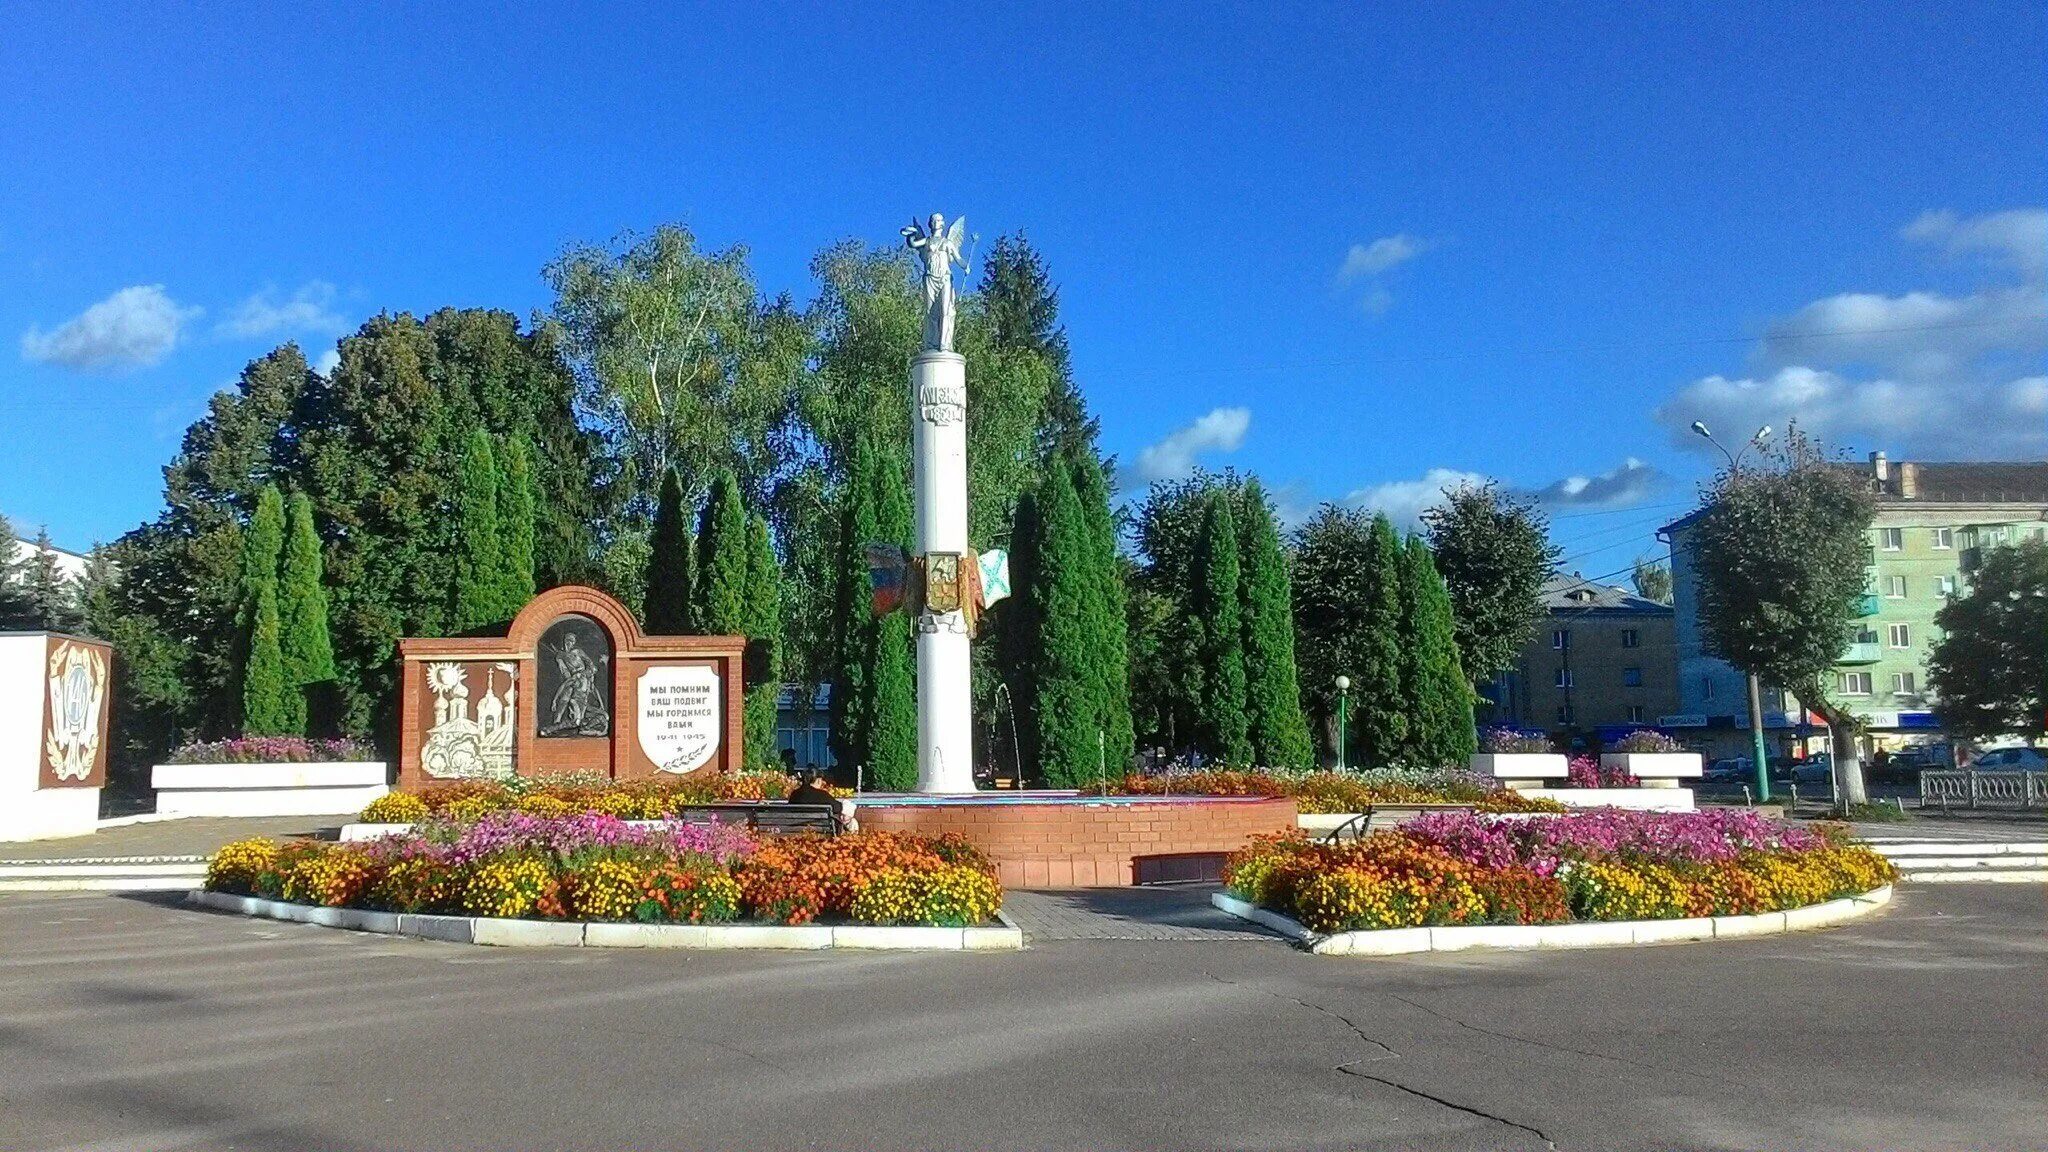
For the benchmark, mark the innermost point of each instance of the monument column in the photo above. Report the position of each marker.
(945, 690)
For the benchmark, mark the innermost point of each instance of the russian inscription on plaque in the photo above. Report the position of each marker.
(679, 724)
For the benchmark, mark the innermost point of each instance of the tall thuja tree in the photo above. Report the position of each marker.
(666, 607)
(516, 512)
(1018, 638)
(764, 639)
(718, 586)
(1065, 705)
(850, 665)
(1219, 620)
(1276, 727)
(1382, 711)
(1440, 731)
(266, 709)
(1107, 610)
(307, 648)
(892, 697)
(479, 592)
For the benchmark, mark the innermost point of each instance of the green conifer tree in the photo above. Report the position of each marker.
(667, 604)
(1219, 620)
(718, 585)
(764, 640)
(1107, 611)
(479, 546)
(892, 703)
(517, 513)
(1019, 637)
(1066, 704)
(1440, 697)
(853, 625)
(1277, 727)
(265, 694)
(1381, 703)
(306, 646)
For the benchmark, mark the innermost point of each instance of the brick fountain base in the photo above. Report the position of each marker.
(1062, 840)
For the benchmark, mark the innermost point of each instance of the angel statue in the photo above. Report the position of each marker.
(939, 248)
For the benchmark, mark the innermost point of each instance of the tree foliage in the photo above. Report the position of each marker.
(1494, 552)
(1065, 704)
(516, 519)
(1652, 578)
(1378, 687)
(1989, 669)
(306, 646)
(1437, 695)
(1219, 636)
(1332, 551)
(718, 581)
(1276, 726)
(479, 591)
(266, 694)
(764, 639)
(666, 606)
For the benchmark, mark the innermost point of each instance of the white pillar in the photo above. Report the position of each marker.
(945, 689)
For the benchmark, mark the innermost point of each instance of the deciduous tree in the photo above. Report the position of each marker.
(1989, 669)
(1494, 552)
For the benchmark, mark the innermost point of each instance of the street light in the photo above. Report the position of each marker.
(1343, 700)
(1756, 694)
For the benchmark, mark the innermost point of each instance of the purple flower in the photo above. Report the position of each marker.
(1543, 842)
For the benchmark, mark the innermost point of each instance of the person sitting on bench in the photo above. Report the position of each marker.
(809, 791)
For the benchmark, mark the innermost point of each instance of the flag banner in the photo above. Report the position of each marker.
(995, 575)
(887, 564)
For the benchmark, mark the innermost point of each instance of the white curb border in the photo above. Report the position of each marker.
(568, 934)
(1603, 934)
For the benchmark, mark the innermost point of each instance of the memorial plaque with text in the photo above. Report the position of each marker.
(679, 723)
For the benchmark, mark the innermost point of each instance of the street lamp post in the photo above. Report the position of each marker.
(1756, 705)
(1343, 719)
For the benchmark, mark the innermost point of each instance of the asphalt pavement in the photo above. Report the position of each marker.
(140, 1023)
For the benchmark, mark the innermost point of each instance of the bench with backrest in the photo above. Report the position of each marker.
(769, 817)
(1380, 817)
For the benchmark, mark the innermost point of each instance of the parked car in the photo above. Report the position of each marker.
(2012, 760)
(1734, 770)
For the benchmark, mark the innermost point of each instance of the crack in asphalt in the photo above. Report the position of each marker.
(1419, 1094)
(1545, 1044)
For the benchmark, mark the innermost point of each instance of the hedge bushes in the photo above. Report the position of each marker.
(651, 799)
(1342, 791)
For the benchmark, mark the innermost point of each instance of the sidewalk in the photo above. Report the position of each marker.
(197, 836)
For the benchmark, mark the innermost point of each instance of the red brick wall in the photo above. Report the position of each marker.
(1088, 845)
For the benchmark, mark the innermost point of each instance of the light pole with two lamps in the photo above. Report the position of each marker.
(1756, 694)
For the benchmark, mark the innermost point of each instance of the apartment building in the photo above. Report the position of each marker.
(1932, 525)
(1603, 662)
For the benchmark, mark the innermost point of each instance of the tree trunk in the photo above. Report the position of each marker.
(1848, 766)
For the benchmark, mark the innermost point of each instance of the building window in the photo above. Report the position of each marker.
(1635, 713)
(1561, 638)
(1901, 636)
(1564, 713)
(1629, 638)
(1902, 684)
(1632, 677)
(1895, 587)
(1944, 537)
(1564, 678)
(1854, 683)
(1894, 539)
(1948, 585)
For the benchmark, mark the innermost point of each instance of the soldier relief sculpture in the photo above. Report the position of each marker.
(575, 679)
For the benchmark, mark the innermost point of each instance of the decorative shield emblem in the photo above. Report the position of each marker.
(78, 686)
(680, 722)
(942, 582)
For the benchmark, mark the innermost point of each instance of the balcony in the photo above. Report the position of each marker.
(1868, 605)
(1862, 652)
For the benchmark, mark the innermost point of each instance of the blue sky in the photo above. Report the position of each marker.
(1359, 251)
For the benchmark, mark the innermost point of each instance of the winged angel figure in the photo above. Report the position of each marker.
(939, 247)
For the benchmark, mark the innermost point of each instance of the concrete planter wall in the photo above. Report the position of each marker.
(1655, 769)
(267, 789)
(1645, 799)
(1518, 769)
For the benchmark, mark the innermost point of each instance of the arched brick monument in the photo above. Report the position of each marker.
(573, 685)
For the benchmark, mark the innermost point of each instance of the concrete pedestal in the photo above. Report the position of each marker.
(54, 692)
(945, 688)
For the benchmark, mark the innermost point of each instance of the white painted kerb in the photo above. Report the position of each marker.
(1597, 934)
(266, 789)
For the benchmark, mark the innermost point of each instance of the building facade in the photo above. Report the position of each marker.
(1932, 525)
(1602, 663)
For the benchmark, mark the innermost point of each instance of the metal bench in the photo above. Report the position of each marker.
(1380, 817)
(770, 817)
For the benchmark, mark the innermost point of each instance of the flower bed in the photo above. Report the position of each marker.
(596, 867)
(651, 799)
(274, 750)
(1586, 772)
(1606, 865)
(1325, 792)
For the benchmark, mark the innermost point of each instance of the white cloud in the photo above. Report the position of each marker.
(1175, 457)
(1917, 374)
(2019, 235)
(1948, 418)
(134, 328)
(326, 362)
(310, 309)
(1404, 500)
(1632, 483)
(1380, 255)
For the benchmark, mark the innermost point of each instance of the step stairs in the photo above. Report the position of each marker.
(1925, 861)
(104, 874)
